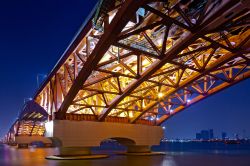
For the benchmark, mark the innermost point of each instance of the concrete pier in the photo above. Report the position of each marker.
(138, 149)
(75, 137)
(25, 141)
(74, 151)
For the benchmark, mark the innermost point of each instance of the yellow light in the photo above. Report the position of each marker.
(130, 114)
(160, 95)
(49, 127)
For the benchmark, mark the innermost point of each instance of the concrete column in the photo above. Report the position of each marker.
(12, 144)
(138, 149)
(91, 134)
(48, 145)
(22, 145)
(74, 151)
(30, 139)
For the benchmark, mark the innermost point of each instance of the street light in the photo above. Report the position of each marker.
(27, 99)
(37, 78)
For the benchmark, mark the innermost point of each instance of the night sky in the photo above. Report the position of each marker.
(33, 36)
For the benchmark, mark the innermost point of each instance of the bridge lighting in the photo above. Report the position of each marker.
(27, 99)
(160, 95)
(49, 127)
(159, 42)
(42, 77)
(130, 114)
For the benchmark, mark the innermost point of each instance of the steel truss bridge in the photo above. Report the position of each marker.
(143, 61)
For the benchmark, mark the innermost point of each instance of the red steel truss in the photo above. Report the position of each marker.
(148, 60)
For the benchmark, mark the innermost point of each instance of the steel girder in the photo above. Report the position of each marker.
(202, 95)
(30, 128)
(24, 128)
(30, 121)
(151, 60)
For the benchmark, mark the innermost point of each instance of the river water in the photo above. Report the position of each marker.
(11, 156)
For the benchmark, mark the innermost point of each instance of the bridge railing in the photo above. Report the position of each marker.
(114, 119)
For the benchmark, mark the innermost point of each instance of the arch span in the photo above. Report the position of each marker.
(90, 134)
(30, 139)
(124, 141)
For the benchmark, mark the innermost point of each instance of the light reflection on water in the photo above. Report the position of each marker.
(36, 157)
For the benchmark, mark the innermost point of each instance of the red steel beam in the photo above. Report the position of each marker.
(188, 81)
(179, 46)
(211, 92)
(123, 15)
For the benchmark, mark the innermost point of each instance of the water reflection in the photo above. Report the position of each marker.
(169, 161)
(36, 157)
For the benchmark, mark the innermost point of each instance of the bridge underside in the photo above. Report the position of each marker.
(91, 134)
(29, 125)
(138, 63)
(143, 61)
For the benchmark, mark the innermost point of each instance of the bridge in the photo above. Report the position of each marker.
(132, 66)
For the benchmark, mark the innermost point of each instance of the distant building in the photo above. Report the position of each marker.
(198, 136)
(223, 135)
(236, 136)
(205, 135)
(211, 134)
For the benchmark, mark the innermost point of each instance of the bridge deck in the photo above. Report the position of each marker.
(144, 61)
(150, 61)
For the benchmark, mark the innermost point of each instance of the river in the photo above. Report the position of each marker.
(11, 156)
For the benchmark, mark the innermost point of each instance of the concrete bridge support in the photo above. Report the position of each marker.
(77, 137)
(24, 141)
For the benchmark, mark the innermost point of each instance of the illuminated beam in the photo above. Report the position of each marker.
(136, 50)
(171, 53)
(96, 81)
(211, 92)
(115, 74)
(208, 23)
(166, 18)
(218, 63)
(147, 73)
(115, 59)
(138, 31)
(108, 38)
(183, 15)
